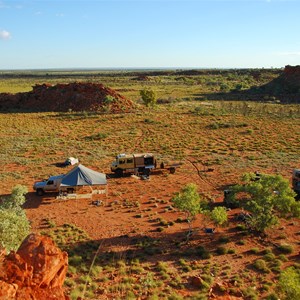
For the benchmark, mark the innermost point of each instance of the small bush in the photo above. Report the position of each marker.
(269, 256)
(221, 250)
(282, 257)
(75, 260)
(266, 251)
(162, 266)
(261, 265)
(250, 293)
(138, 216)
(241, 242)
(202, 252)
(231, 251)
(241, 227)
(163, 222)
(137, 269)
(285, 248)
(271, 296)
(148, 97)
(223, 239)
(96, 270)
(254, 250)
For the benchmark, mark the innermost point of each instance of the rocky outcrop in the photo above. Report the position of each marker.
(291, 79)
(36, 271)
(67, 97)
(285, 87)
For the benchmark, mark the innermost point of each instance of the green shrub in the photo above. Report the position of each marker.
(271, 296)
(254, 250)
(250, 293)
(148, 97)
(289, 284)
(223, 239)
(202, 252)
(14, 225)
(75, 260)
(241, 227)
(221, 250)
(266, 251)
(219, 215)
(261, 265)
(269, 257)
(241, 242)
(231, 251)
(285, 248)
(282, 257)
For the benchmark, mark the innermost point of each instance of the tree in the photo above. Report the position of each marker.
(188, 200)
(14, 225)
(266, 198)
(148, 97)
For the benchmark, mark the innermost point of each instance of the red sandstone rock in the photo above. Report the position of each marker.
(68, 97)
(36, 271)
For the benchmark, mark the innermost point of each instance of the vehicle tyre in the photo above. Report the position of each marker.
(119, 173)
(40, 192)
(70, 191)
(172, 170)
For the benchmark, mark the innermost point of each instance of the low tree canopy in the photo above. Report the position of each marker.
(14, 225)
(189, 201)
(266, 198)
(289, 284)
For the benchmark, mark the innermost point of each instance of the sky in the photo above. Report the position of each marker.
(50, 34)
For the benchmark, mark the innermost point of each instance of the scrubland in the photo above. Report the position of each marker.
(133, 246)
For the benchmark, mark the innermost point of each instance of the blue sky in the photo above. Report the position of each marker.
(38, 34)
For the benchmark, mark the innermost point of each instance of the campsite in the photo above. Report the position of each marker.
(129, 242)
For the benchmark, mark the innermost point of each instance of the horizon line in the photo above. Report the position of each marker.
(133, 68)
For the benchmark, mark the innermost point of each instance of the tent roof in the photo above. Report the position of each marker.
(81, 175)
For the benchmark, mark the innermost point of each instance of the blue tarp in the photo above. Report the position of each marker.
(81, 175)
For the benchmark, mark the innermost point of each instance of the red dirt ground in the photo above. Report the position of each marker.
(132, 207)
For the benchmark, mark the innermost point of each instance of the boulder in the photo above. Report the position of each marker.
(36, 271)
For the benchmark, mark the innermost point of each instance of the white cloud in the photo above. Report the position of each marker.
(293, 53)
(4, 35)
(60, 15)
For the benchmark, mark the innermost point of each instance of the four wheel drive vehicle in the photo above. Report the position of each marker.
(133, 163)
(52, 184)
(296, 182)
(140, 163)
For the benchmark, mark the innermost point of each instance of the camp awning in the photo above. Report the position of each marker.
(81, 175)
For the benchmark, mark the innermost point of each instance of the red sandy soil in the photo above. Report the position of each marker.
(132, 207)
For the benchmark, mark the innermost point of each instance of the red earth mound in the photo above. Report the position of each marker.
(68, 97)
